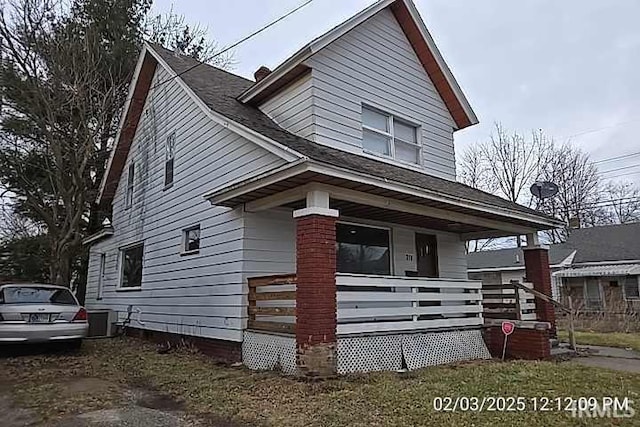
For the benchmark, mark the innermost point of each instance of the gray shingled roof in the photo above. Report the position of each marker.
(218, 89)
(594, 244)
(502, 258)
(606, 243)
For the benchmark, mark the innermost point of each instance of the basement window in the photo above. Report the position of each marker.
(386, 135)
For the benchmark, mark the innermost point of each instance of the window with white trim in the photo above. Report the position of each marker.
(130, 184)
(131, 266)
(385, 134)
(191, 239)
(170, 154)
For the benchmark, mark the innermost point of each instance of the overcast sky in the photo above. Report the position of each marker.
(570, 67)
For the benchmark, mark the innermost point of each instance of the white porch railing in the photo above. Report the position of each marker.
(368, 303)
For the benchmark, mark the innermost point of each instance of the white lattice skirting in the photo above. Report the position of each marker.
(261, 351)
(386, 352)
(269, 352)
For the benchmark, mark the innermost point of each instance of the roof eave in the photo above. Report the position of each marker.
(451, 80)
(123, 117)
(102, 234)
(223, 195)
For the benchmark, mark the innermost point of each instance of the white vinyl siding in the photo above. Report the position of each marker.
(375, 65)
(270, 246)
(292, 107)
(202, 294)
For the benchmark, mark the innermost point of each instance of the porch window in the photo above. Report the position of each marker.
(131, 269)
(362, 250)
(384, 134)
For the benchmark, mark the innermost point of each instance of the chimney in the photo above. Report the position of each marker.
(261, 73)
(574, 222)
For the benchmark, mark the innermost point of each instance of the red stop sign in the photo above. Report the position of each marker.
(508, 328)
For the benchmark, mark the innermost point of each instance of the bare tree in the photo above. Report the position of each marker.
(513, 162)
(506, 165)
(65, 70)
(171, 31)
(622, 201)
(578, 197)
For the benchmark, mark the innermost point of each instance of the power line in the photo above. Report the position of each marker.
(599, 129)
(623, 174)
(621, 168)
(244, 39)
(610, 159)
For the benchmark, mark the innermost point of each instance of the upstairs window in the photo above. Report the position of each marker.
(130, 184)
(169, 159)
(384, 134)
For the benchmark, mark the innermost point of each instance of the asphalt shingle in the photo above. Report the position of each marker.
(218, 89)
(595, 244)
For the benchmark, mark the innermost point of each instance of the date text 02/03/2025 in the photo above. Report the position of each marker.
(597, 406)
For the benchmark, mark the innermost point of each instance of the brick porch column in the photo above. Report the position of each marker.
(316, 286)
(536, 261)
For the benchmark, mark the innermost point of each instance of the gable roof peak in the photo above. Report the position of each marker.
(416, 32)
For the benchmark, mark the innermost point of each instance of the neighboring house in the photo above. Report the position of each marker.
(599, 267)
(501, 266)
(605, 273)
(333, 175)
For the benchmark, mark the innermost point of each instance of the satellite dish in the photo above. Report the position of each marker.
(544, 189)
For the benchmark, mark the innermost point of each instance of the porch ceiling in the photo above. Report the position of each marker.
(373, 213)
(382, 200)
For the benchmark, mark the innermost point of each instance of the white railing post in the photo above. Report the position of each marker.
(414, 304)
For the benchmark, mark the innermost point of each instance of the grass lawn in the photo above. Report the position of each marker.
(610, 339)
(212, 392)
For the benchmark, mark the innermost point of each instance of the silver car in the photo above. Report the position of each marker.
(32, 313)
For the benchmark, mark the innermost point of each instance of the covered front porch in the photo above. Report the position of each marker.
(379, 278)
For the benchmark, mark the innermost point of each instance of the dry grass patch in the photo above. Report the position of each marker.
(608, 339)
(213, 392)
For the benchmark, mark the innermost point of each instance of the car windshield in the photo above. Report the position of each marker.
(36, 295)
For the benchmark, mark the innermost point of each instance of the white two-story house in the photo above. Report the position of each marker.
(308, 220)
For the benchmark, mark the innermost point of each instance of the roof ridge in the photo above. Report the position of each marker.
(155, 45)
